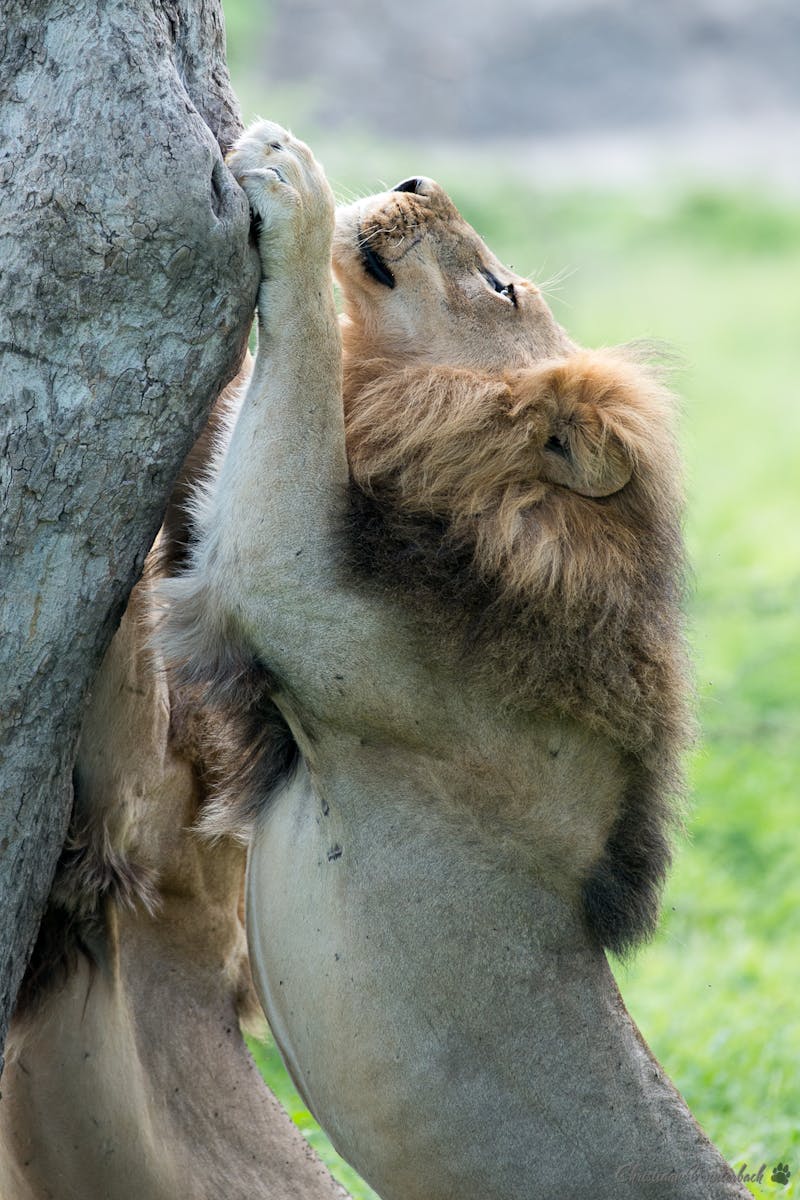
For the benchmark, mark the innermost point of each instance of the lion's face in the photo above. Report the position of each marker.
(420, 284)
(464, 398)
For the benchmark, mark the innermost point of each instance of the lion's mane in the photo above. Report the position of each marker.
(567, 604)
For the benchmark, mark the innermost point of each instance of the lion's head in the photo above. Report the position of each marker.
(421, 286)
(467, 401)
(525, 494)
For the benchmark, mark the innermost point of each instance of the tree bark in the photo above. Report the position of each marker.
(128, 283)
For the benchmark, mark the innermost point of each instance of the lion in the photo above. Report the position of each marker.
(435, 585)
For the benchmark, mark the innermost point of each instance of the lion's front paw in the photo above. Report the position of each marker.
(288, 193)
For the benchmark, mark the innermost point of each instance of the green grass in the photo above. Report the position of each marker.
(271, 1067)
(717, 277)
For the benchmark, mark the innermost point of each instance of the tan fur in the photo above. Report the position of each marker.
(471, 448)
(527, 504)
(518, 495)
(474, 641)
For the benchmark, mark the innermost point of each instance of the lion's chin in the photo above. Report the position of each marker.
(353, 256)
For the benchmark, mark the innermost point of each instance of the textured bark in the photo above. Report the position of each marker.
(128, 282)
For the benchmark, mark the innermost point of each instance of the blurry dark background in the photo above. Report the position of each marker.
(712, 84)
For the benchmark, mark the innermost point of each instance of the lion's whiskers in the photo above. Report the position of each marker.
(348, 195)
(366, 238)
(552, 285)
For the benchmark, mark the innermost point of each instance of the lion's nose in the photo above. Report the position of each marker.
(408, 185)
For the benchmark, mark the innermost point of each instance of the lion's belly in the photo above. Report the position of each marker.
(398, 972)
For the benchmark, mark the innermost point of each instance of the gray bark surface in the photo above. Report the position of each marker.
(127, 284)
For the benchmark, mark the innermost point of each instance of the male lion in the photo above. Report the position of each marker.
(457, 672)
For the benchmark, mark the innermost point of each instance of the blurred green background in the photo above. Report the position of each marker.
(713, 269)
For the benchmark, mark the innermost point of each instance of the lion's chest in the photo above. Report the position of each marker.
(365, 941)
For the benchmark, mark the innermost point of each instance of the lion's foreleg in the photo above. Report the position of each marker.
(268, 522)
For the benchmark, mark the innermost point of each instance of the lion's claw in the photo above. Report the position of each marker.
(288, 192)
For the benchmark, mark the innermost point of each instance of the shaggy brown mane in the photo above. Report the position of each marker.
(568, 604)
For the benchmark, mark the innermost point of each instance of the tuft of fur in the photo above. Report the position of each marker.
(92, 873)
(222, 715)
(237, 740)
(171, 552)
(533, 518)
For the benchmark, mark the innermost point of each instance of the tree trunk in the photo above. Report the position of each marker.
(128, 282)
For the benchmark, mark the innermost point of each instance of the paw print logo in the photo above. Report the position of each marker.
(781, 1173)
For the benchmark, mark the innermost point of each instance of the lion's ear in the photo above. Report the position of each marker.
(586, 459)
(581, 395)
